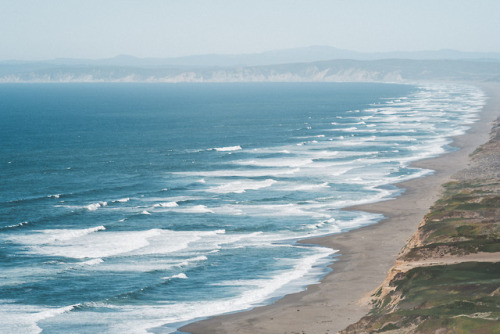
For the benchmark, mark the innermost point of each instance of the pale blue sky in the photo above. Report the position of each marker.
(44, 29)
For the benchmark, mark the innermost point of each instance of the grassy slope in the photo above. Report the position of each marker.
(454, 298)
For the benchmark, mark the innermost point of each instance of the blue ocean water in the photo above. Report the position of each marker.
(133, 208)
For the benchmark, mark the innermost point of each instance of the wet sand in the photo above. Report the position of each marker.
(366, 254)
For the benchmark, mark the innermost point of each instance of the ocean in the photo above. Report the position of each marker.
(135, 208)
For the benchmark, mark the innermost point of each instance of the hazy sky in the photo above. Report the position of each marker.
(44, 29)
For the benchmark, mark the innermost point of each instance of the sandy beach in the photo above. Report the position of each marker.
(365, 255)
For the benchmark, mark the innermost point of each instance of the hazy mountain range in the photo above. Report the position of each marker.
(315, 63)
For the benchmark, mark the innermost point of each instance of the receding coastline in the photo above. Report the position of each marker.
(366, 254)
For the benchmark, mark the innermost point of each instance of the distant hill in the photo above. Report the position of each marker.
(311, 64)
(318, 53)
(285, 56)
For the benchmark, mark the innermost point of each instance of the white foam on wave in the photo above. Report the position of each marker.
(227, 210)
(300, 270)
(180, 276)
(18, 318)
(177, 199)
(53, 312)
(95, 206)
(17, 225)
(193, 209)
(303, 186)
(350, 129)
(376, 195)
(322, 154)
(227, 149)
(188, 262)
(63, 235)
(261, 289)
(282, 162)
(92, 262)
(310, 137)
(166, 205)
(329, 170)
(175, 241)
(143, 319)
(122, 200)
(241, 282)
(22, 318)
(361, 219)
(164, 263)
(43, 237)
(241, 186)
(82, 244)
(264, 172)
(278, 210)
(330, 223)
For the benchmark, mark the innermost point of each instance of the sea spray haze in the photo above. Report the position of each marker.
(126, 208)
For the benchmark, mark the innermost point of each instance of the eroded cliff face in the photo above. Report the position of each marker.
(336, 70)
(447, 277)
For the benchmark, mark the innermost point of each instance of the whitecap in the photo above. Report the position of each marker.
(62, 235)
(239, 187)
(52, 312)
(95, 206)
(353, 128)
(17, 225)
(44, 237)
(166, 205)
(227, 149)
(180, 276)
(122, 200)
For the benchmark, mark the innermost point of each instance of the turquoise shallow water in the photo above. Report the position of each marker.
(136, 207)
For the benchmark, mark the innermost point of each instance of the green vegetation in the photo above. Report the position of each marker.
(459, 298)
(465, 220)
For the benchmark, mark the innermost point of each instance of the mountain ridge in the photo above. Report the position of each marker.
(273, 57)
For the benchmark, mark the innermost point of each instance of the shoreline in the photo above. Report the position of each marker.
(366, 254)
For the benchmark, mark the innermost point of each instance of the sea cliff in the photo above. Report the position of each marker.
(447, 278)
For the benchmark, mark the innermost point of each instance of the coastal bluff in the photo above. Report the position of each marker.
(447, 277)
